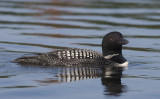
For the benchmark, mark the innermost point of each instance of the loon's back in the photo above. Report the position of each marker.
(67, 57)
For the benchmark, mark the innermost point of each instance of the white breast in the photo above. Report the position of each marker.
(125, 64)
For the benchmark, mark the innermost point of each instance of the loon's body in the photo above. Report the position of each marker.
(67, 57)
(112, 55)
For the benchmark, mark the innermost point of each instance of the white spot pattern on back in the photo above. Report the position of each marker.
(78, 54)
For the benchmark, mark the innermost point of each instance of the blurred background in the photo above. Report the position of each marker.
(28, 27)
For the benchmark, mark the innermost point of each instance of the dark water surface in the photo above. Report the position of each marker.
(28, 27)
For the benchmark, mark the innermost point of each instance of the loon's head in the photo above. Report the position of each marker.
(112, 46)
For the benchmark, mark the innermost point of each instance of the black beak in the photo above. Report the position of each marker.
(123, 42)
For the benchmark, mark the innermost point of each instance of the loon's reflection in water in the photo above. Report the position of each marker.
(110, 77)
(78, 73)
(113, 86)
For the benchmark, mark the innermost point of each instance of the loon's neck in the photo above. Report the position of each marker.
(107, 52)
(118, 58)
(115, 56)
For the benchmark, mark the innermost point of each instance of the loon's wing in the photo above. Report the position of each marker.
(70, 57)
(76, 54)
(66, 57)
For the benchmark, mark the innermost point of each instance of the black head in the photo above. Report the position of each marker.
(112, 43)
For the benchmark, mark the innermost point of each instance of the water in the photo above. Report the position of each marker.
(28, 27)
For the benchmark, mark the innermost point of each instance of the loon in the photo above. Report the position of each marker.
(111, 55)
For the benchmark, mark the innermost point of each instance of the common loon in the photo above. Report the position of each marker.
(111, 49)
